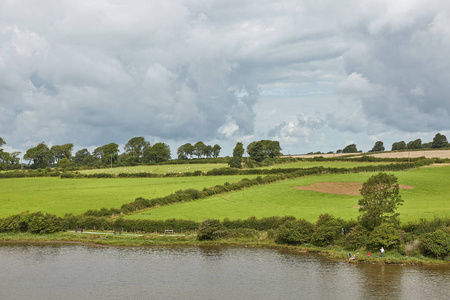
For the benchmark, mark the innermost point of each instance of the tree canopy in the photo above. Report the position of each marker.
(377, 147)
(380, 199)
(398, 146)
(41, 156)
(439, 141)
(260, 150)
(350, 149)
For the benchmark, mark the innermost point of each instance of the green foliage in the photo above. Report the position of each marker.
(157, 153)
(235, 162)
(135, 148)
(295, 232)
(185, 150)
(384, 235)
(356, 238)
(436, 244)
(416, 144)
(377, 147)
(41, 156)
(107, 153)
(426, 226)
(439, 141)
(398, 146)
(380, 200)
(326, 230)
(238, 151)
(37, 222)
(350, 149)
(260, 150)
(44, 223)
(209, 230)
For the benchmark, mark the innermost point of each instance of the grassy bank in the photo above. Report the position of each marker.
(149, 240)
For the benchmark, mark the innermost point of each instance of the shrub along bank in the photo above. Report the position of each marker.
(428, 238)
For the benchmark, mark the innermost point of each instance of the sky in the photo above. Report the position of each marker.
(313, 75)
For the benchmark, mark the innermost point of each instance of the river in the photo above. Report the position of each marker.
(85, 272)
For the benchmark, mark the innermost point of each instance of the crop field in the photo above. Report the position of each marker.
(325, 164)
(428, 197)
(158, 169)
(60, 196)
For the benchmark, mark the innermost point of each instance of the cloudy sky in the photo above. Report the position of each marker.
(315, 75)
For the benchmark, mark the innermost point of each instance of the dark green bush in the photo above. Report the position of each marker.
(326, 230)
(385, 235)
(295, 232)
(44, 223)
(436, 244)
(209, 230)
(356, 238)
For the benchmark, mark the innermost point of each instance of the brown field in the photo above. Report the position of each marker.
(341, 188)
(395, 154)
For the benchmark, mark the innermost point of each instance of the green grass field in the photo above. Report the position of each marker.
(60, 196)
(429, 198)
(158, 169)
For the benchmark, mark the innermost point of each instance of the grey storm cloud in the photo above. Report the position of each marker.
(399, 68)
(93, 72)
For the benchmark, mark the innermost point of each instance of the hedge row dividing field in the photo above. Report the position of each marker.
(60, 196)
(428, 199)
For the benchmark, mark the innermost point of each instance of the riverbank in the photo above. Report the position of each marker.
(109, 239)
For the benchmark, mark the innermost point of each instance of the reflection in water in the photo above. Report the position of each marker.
(74, 272)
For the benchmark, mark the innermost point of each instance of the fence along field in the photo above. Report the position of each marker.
(427, 199)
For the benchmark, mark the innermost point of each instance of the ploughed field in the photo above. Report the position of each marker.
(425, 192)
(158, 169)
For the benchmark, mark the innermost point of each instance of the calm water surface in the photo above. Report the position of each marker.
(82, 272)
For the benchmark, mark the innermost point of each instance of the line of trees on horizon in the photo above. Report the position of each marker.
(439, 141)
(136, 151)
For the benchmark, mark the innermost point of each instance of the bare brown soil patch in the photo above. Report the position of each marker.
(340, 188)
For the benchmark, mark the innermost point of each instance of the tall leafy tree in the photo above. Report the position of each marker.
(238, 151)
(439, 141)
(377, 147)
(199, 149)
(62, 151)
(136, 147)
(7, 159)
(216, 150)
(380, 199)
(398, 146)
(41, 156)
(80, 155)
(107, 153)
(350, 149)
(185, 150)
(416, 144)
(158, 153)
(260, 150)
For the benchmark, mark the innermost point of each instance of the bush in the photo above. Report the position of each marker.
(327, 229)
(436, 244)
(356, 238)
(44, 223)
(385, 235)
(209, 229)
(295, 232)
